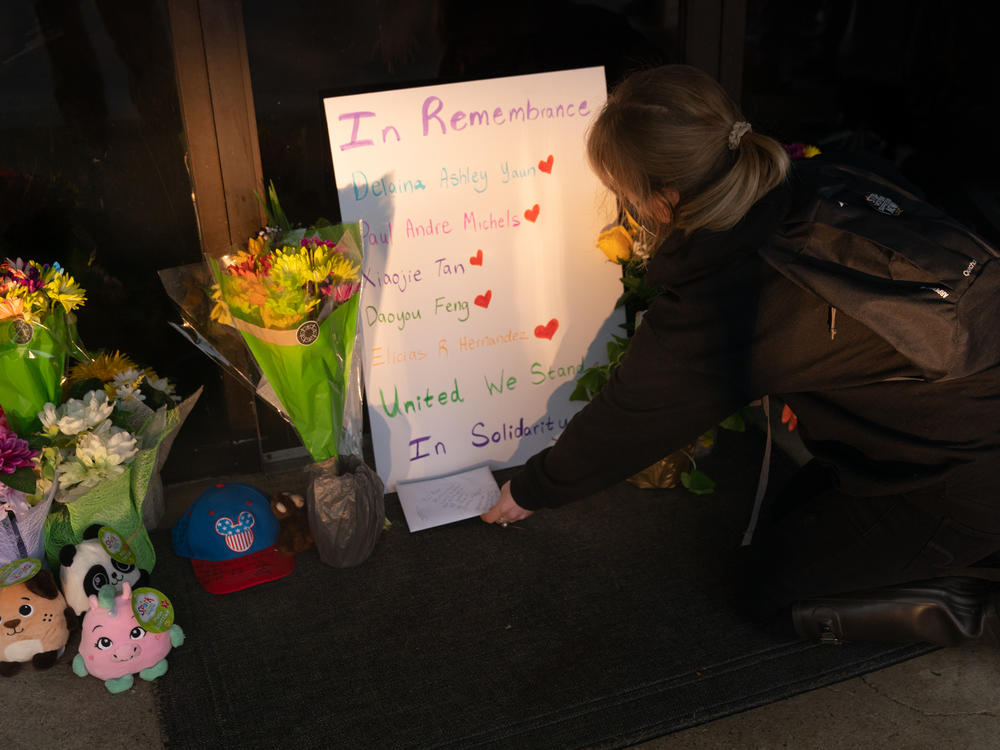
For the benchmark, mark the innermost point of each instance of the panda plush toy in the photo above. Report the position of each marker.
(102, 558)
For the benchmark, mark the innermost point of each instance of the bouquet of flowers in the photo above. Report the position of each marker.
(292, 293)
(93, 458)
(290, 297)
(81, 444)
(37, 334)
(104, 447)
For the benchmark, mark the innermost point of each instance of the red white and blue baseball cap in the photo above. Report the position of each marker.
(231, 536)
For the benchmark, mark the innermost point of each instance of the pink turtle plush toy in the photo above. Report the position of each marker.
(114, 644)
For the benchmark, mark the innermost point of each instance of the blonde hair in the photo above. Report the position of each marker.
(669, 128)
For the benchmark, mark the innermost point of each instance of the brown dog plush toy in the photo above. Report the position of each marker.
(290, 509)
(35, 623)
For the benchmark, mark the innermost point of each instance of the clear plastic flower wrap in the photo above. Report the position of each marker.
(280, 314)
(307, 370)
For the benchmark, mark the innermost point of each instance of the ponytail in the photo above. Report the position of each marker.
(674, 127)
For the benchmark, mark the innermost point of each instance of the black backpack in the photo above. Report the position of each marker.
(913, 275)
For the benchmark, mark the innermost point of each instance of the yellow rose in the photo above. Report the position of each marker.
(616, 243)
(810, 151)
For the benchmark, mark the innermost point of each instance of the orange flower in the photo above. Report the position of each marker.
(11, 307)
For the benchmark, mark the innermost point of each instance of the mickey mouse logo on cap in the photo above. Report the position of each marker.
(239, 535)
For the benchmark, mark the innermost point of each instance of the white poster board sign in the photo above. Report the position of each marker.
(483, 293)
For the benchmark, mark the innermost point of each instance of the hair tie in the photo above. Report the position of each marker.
(740, 129)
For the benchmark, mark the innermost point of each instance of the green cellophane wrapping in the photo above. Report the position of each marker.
(115, 502)
(31, 373)
(310, 380)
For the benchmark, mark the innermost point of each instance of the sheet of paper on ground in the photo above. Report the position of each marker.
(435, 502)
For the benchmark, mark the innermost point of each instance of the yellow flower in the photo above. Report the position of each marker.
(342, 268)
(810, 151)
(220, 310)
(616, 243)
(104, 367)
(62, 288)
(256, 246)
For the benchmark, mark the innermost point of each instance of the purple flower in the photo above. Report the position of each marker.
(23, 273)
(14, 453)
(795, 150)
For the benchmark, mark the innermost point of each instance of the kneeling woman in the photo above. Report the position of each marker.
(874, 538)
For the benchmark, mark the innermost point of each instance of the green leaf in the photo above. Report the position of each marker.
(22, 479)
(631, 283)
(697, 482)
(592, 379)
(734, 422)
(275, 215)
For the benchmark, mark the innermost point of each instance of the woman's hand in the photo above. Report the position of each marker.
(506, 511)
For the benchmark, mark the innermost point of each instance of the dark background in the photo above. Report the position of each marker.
(92, 152)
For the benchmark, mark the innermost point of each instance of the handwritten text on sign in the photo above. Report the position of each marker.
(483, 294)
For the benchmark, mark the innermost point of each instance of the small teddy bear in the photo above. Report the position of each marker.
(290, 510)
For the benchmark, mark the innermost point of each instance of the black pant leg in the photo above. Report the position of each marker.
(819, 541)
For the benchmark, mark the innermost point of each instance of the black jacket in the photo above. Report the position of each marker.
(728, 329)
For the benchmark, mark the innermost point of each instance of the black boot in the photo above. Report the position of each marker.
(943, 611)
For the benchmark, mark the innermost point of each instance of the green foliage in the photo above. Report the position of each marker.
(275, 214)
(734, 422)
(697, 482)
(636, 294)
(590, 382)
(22, 479)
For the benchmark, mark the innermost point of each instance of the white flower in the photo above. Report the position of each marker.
(76, 416)
(130, 377)
(162, 384)
(73, 474)
(116, 444)
(128, 396)
(50, 418)
(101, 454)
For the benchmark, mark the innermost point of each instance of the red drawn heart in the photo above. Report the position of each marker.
(483, 300)
(547, 331)
(477, 259)
(532, 213)
(546, 165)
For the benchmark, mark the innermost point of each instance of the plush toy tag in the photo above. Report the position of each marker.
(19, 571)
(152, 609)
(116, 547)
